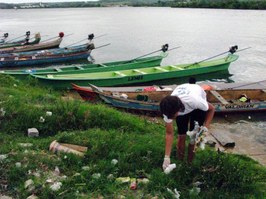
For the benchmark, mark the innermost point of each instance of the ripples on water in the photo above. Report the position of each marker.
(202, 33)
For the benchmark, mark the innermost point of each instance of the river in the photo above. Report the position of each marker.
(132, 32)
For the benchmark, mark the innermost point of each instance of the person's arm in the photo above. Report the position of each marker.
(169, 137)
(209, 115)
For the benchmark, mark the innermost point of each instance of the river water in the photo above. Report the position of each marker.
(132, 32)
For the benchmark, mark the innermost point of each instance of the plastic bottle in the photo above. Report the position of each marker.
(194, 132)
(170, 168)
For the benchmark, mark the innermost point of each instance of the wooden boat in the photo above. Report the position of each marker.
(6, 46)
(88, 94)
(36, 58)
(29, 47)
(118, 65)
(45, 52)
(223, 100)
(137, 76)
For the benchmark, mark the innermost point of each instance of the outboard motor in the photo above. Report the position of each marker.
(233, 49)
(90, 36)
(165, 47)
(61, 34)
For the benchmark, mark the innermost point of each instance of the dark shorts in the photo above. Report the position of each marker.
(182, 121)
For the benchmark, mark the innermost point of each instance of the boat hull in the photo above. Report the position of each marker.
(89, 68)
(256, 103)
(39, 46)
(134, 77)
(45, 60)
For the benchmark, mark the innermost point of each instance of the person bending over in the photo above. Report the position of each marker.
(186, 104)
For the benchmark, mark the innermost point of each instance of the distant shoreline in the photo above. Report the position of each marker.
(232, 4)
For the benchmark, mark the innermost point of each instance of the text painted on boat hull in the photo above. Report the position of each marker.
(134, 78)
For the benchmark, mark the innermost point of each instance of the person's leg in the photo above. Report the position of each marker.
(199, 116)
(182, 127)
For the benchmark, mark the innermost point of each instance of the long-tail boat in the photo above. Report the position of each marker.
(89, 68)
(51, 56)
(229, 100)
(39, 46)
(5, 47)
(88, 94)
(137, 76)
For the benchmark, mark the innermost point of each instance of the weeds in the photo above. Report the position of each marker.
(137, 145)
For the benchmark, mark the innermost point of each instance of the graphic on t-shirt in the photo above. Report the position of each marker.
(182, 91)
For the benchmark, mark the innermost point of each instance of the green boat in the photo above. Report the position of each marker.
(89, 68)
(137, 76)
(37, 39)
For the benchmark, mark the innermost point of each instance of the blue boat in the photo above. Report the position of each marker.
(41, 57)
(224, 101)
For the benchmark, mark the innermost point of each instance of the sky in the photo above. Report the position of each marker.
(29, 1)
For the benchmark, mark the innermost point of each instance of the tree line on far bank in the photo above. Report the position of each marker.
(223, 4)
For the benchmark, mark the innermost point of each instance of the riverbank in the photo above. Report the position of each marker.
(119, 145)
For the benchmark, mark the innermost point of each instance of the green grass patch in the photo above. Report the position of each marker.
(137, 145)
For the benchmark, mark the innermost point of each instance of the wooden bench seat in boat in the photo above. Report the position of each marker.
(219, 97)
(161, 69)
(103, 65)
(119, 73)
(79, 68)
(58, 69)
(138, 71)
(176, 67)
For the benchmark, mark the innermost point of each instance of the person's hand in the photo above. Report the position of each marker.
(204, 129)
(166, 162)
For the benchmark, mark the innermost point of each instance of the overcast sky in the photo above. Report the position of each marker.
(29, 1)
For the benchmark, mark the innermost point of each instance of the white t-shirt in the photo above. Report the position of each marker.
(192, 96)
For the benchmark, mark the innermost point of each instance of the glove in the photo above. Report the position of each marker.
(204, 129)
(166, 162)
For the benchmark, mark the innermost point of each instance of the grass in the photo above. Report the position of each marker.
(136, 143)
